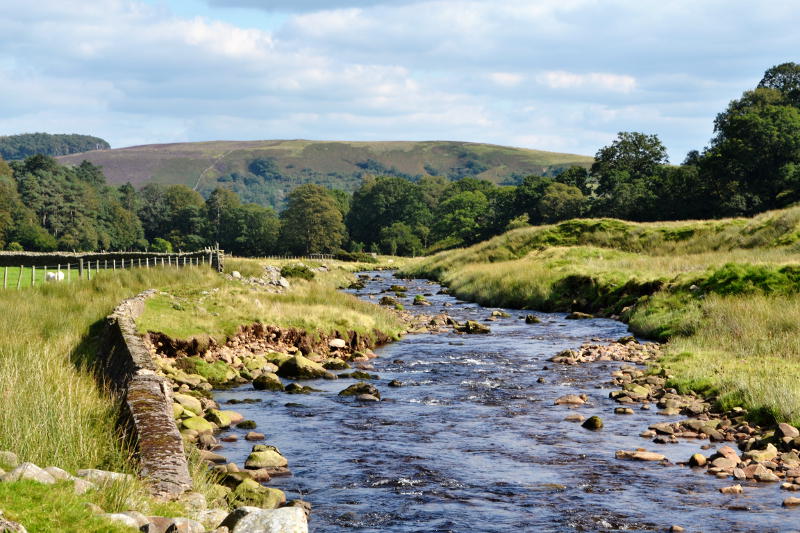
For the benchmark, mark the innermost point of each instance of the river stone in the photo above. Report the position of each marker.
(104, 477)
(759, 456)
(251, 492)
(300, 367)
(724, 463)
(29, 472)
(733, 489)
(337, 343)
(571, 399)
(8, 459)
(788, 431)
(577, 315)
(254, 520)
(190, 403)
(728, 452)
(574, 417)
(268, 381)
(532, 319)
(593, 422)
(357, 389)
(697, 459)
(335, 363)
(212, 457)
(252, 435)
(472, 327)
(265, 459)
(764, 475)
(367, 398)
(791, 501)
(198, 424)
(224, 419)
(639, 455)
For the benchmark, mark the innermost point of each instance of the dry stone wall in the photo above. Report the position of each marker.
(146, 413)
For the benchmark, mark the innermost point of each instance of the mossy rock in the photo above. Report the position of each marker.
(246, 424)
(532, 319)
(223, 419)
(217, 373)
(593, 423)
(500, 314)
(335, 363)
(360, 374)
(577, 315)
(198, 424)
(472, 327)
(250, 492)
(388, 300)
(268, 458)
(217, 494)
(300, 367)
(357, 389)
(268, 381)
(277, 358)
(177, 411)
(256, 362)
(296, 388)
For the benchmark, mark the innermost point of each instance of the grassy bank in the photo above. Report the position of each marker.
(724, 293)
(54, 411)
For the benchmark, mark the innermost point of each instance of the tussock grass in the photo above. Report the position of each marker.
(723, 292)
(217, 308)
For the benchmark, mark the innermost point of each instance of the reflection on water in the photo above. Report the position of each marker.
(473, 443)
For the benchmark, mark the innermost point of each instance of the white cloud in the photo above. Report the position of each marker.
(560, 79)
(506, 79)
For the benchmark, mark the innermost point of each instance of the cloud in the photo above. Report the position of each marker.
(550, 74)
(560, 79)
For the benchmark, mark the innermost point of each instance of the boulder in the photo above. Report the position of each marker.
(788, 431)
(254, 520)
(251, 492)
(472, 327)
(759, 456)
(337, 344)
(593, 422)
(265, 457)
(733, 489)
(189, 403)
(357, 389)
(29, 472)
(224, 419)
(335, 363)
(791, 501)
(697, 459)
(571, 399)
(367, 398)
(532, 319)
(198, 424)
(252, 435)
(268, 381)
(212, 518)
(300, 367)
(123, 519)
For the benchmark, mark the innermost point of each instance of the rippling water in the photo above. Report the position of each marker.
(473, 443)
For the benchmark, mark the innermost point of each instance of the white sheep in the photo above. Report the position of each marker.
(54, 276)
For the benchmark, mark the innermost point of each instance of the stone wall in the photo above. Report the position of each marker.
(146, 413)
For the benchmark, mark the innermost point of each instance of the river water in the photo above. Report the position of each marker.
(473, 443)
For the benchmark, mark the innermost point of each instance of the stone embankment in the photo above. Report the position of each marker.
(751, 452)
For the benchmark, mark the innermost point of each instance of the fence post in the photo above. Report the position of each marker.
(105, 263)
(69, 273)
(33, 276)
(5, 278)
(123, 263)
(140, 262)
(114, 262)
(147, 262)
(80, 268)
(19, 278)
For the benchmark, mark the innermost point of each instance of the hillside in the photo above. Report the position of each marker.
(265, 171)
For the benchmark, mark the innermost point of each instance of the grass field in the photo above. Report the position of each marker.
(723, 293)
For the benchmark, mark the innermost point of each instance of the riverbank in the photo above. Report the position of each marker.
(56, 413)
(722, 293)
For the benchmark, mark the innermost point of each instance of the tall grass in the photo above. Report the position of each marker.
(53, 410)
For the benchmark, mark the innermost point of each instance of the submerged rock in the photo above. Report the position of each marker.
(532, 319)
(357, 389)
(593, 422)
(577, 315)
(472, 327)
(268, 381)
(252, 519)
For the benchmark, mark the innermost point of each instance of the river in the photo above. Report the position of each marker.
(473, 443)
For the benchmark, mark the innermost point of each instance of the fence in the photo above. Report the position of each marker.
(317, 257)
(26, 269)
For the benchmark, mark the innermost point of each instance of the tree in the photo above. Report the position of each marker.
(632, 154)
(381, 202)
(560, 202)
(399, 239)
(785, 78)
(463, 216)
(576, 176)
(312, 222)
(528, 195)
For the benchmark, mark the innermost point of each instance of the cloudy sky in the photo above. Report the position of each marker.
(561, 75)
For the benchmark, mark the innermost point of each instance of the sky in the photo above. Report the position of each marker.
(559, 75)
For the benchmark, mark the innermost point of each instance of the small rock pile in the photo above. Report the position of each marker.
(271, 279)
(626, 349)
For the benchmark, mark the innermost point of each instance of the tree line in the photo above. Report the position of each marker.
(751, 164)
(28, 144)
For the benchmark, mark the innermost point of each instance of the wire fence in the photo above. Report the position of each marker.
(38, 272)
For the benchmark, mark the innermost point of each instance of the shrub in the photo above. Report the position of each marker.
(297, 271)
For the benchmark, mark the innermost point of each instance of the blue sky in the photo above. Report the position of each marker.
(561, 75)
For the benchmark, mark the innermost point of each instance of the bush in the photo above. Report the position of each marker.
(297, 271)
(356, 257)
